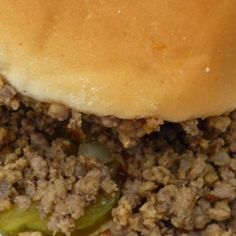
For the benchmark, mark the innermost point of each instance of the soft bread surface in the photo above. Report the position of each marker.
(129, 58)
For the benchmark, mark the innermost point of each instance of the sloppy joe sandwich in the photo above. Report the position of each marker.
(117, 117)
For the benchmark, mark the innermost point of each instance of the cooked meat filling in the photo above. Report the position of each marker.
(174, 179)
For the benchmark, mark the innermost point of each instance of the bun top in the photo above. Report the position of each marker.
(128, 58)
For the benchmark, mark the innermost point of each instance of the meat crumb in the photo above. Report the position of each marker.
(59, 112)
(23, 202)
(220, 212)
(216, 230)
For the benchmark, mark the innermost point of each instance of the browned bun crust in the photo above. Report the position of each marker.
(170, 59)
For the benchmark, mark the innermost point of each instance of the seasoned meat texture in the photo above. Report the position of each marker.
(176, 179)
(37, 164)
(181, 181)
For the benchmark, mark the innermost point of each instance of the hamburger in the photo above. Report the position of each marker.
(117, 117)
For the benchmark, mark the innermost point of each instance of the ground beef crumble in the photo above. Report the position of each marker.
(181, 181)
(40, 163)
(176, 179)
(61, 183)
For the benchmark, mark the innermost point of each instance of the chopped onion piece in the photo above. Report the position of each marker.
(95, 150)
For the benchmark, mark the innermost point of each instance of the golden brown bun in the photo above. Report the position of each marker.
(128, 58)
